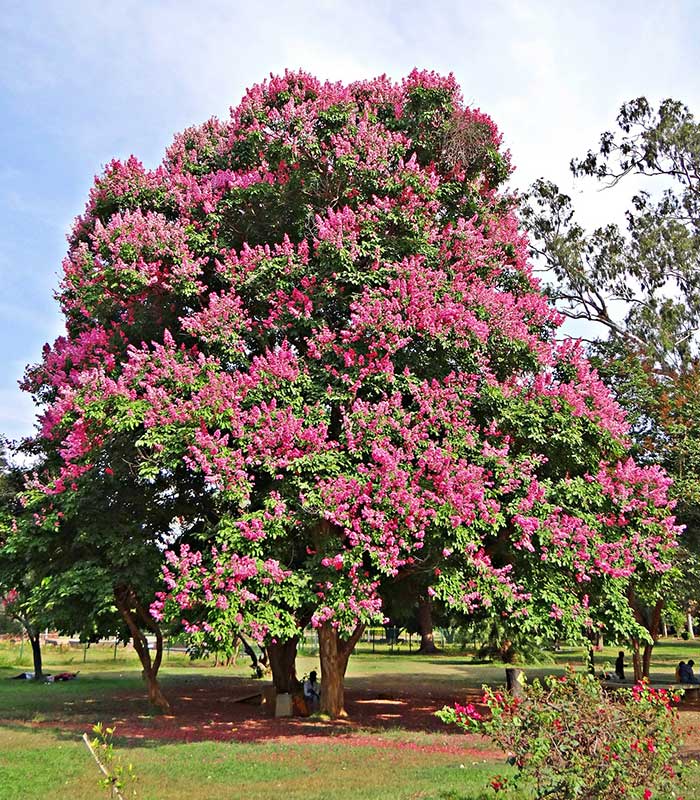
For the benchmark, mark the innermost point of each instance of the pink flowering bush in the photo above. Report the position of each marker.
(571, 740)
(319, 315)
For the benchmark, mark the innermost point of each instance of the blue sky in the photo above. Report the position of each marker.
(84, 82)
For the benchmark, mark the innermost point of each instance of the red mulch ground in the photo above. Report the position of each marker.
(212, 712)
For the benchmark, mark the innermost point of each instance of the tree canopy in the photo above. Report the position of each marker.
(318, 317)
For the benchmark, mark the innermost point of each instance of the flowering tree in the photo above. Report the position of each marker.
(321, 310)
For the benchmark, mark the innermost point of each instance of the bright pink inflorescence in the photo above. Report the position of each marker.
(323, 308)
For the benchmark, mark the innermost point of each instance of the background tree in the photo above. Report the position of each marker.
(408, 606)
(319, 316)
(92, 556)
(17, 578)
(641, 287)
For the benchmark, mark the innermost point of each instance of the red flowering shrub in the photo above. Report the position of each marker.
(570, 740)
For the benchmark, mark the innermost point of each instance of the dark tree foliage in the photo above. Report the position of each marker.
(643, 284)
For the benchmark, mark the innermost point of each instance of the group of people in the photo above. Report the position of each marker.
(47, 677)
(684, 671)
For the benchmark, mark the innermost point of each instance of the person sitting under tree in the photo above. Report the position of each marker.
(685, 672)
(312, 690)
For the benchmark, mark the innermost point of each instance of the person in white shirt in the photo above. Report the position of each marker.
(312, 690)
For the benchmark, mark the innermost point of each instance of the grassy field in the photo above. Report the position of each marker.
(40, 764)
(40, 726)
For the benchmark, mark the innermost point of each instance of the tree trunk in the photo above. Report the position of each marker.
(646, 659)
(652, 624)
(590, 661)
(334, 653)
(36, 653)
(691, 630)
(664, 629)
(136, 618)
(155, 693)
(636, 661)
(639, 617)
(283, 656)
(425, 626)
(653, 628)
(34, 637)
(507, 652)
(514, 681)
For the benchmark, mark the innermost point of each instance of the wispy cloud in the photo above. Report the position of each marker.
(83, 82)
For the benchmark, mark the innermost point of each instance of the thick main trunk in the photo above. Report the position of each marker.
(283, 656)
(333, 667)
(34, 637)
(334, 653)
(136, 618)
(691, 630)
(646, 659)
(155, 693)
(425, 626)
(150, 672)
(650, 621)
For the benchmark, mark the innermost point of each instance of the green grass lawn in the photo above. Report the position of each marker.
(41, 754)
(45, 763)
